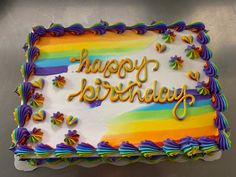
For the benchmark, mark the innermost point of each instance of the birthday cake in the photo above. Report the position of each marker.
(118, 94)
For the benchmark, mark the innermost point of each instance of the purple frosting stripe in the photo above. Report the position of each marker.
(50, 70)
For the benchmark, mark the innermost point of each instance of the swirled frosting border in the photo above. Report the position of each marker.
(187, 147)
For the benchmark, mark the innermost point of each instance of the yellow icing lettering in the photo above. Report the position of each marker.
(132, 91)
(114, 66)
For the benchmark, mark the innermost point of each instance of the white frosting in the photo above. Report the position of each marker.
(92, 122)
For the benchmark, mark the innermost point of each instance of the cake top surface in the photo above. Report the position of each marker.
(109, 89)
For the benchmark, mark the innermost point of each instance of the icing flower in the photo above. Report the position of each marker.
(25, 91)
(32, 38)
(43, 150)
(189, 146)
(205, 53)
(99, 28)
(176, 62)
(22, 114)
(104, 149)
(71, 120)
(75, 29)
(221, 122)
(127, 150)
(210, 69)
(171, 148)
(32, 54)
(40, 30)
(168, 36)
(214, 85)
(139, 28)
(59, 81)
(219, 102)
(207, 144)
(24, 150)
(57, 118)
(187, 39)
(39, 84)
(63, 150)
(178, 26)
(71, 138)
(27, 70)
(203, 38)
(119, 28)
(160, 47)
(193, 75)
(196, 27)
(149, 149)
(19, 136)
(37, 100)
(157, 26)
(224, 141)
(202, 88)
(192, 52)
(56, 29)
(84, 149)
(39, 116)
(35, 135)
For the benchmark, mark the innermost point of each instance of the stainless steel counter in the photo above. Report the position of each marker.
(16, 20)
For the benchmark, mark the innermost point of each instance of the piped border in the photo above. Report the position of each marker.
(188, 146)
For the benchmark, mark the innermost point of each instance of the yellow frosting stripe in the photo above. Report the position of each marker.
(96, 45)
(160, 136)
(109, 36)
(202, 120)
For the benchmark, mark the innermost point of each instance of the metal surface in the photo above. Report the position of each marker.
(16, 20)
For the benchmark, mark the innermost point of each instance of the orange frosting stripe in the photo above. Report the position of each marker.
(159, 136)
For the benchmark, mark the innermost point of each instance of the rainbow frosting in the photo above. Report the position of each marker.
(119, 94)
